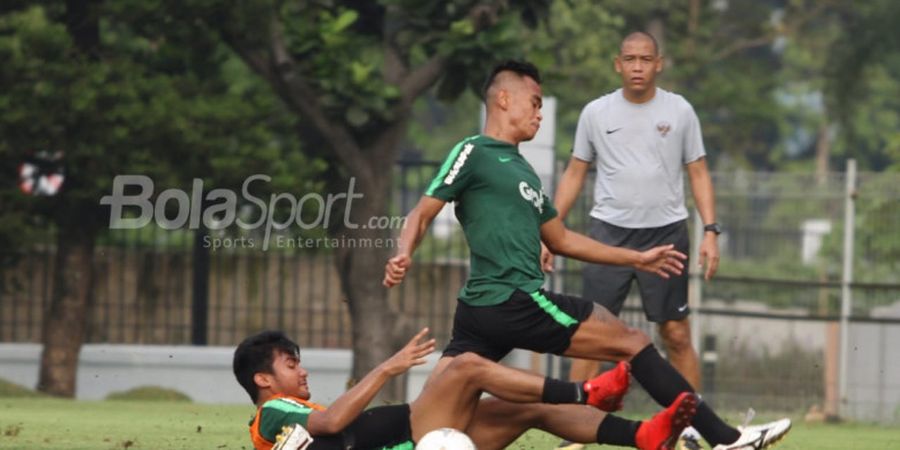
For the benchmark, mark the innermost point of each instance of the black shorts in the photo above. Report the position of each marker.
(663, 299)
(378, 427)
(541, 321)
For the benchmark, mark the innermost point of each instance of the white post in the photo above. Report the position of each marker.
(846, 280)
(695, 291)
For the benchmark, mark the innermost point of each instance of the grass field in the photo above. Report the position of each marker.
(46, 423)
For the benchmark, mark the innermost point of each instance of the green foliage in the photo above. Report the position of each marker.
(869, 39)
(872, 121)
(156, 99)
(149, 393)
(438, 126)
(728, 87)
(355, 55)
(575, 50)
(761, 76)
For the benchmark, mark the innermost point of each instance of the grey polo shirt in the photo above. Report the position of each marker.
(640, 151)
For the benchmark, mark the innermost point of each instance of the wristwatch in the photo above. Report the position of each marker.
(714, 227)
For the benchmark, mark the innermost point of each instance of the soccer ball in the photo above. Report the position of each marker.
(445, 439)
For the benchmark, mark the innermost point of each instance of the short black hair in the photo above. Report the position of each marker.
(637, 34)
(255, 354)
(520, 67)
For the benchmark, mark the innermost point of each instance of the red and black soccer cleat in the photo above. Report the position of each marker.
(606, 391)
(662, 431)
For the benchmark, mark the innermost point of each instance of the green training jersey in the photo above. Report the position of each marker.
(279, 412)
(285, 411)
(501, 206)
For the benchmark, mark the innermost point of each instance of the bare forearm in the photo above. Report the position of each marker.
(412, 233)
(352, 403)
(580, 247)
(702, 188)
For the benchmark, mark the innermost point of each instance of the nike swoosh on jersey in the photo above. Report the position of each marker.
(613, 130)
(504, 159)
(682, 308)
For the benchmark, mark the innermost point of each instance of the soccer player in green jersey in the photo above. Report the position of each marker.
(268, 366)
(505, 215)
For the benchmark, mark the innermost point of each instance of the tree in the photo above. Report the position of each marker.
(80, 78)
(351, 72)
(863, 76)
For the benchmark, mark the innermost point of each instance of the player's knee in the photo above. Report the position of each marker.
(635, 341)
(677, 337)
(467, 364)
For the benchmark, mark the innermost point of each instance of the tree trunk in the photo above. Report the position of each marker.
(376, 328)
(657, 27)
(65, 320)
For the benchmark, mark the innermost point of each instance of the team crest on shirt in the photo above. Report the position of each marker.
(663, 128)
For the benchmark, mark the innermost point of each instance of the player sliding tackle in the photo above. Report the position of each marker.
(505, 216)
(268, 366)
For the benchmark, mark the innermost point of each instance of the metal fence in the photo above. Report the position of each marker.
(790, 323)
(144, 288)
(775, 327)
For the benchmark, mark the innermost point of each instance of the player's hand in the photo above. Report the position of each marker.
(546, 259)
(663, 261)
(395, 270)
(709, 254)
(412, 354)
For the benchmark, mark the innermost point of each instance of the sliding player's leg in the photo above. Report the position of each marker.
(450, 398)
(498, 423)
(602, 336)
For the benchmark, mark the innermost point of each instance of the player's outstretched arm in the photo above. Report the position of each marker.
(352, 403)
(417, 222)
(662, 260)
(566, 192)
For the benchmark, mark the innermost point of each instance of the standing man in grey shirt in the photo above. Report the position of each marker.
(642, 139)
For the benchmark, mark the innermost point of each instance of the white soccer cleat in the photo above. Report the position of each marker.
(689, 440)
(758, 437)
(567, 445)
(293, 437)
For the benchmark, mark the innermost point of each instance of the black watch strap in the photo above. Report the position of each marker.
(714, 227)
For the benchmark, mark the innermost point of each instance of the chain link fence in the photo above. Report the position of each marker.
(770, 326)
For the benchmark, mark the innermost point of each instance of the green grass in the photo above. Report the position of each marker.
(46, 423)
(846, 436)
(49, 423)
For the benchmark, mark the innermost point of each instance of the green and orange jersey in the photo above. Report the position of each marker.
(282, 411)
(501, 206)
(278, 412)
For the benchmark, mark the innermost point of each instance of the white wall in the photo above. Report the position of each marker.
(203, 373)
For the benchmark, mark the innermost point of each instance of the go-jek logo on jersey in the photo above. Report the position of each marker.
(458, 164)
(534, 197)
